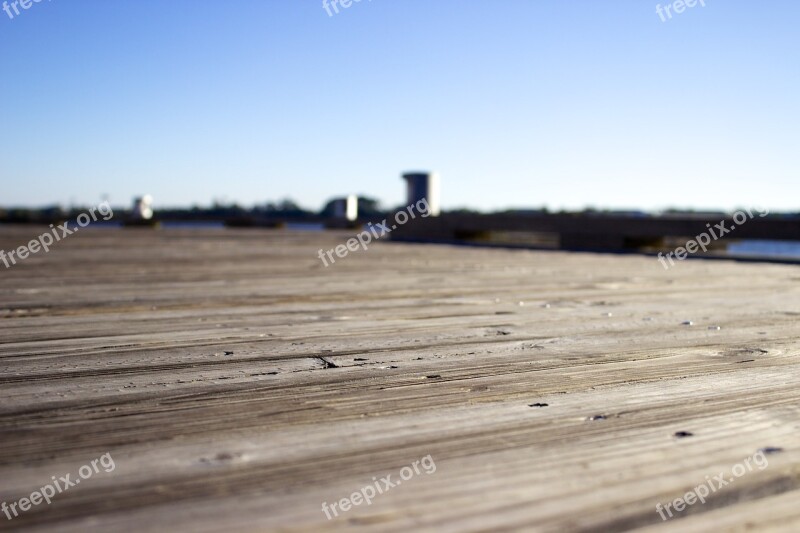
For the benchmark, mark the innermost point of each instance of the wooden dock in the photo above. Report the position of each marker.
(239, 385)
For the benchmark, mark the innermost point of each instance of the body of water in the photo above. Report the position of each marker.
(754, 248)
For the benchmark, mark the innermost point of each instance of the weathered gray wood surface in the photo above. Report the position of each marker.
(238, 384)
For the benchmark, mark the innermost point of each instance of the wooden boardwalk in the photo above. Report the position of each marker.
(238, 384)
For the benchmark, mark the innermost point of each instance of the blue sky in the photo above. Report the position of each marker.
(517, 103)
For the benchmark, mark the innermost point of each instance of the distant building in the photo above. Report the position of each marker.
(423, 185)
(142, 208)
(346, 208)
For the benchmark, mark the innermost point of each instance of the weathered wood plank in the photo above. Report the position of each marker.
(238, 384)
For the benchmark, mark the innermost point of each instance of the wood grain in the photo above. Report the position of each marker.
(238, 384)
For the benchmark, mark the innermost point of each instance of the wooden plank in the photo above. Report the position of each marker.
(238, 384)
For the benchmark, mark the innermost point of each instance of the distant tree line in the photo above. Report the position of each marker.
(289, 210)
(286, 209)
